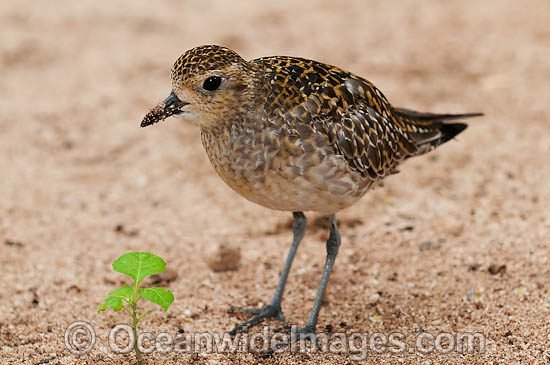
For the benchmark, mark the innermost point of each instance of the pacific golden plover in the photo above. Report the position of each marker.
(296, 135)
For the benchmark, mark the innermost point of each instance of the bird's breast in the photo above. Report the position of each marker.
(276, 167)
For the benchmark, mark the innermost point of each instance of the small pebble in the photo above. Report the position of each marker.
(13, 243)
(374, 298)
(207, 283)
(497, 269)
(119, 228)
(424, 246)
(470, 294)
(226, 258)
(376, 319)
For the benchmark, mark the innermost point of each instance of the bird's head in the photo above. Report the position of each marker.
(210, 85)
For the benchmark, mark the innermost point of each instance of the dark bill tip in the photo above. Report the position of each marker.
(170, 106)
(154, 116)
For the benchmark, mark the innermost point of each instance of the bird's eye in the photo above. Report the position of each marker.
(212, 83)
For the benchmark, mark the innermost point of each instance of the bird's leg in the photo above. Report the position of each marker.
(308, 331)
(273, 309)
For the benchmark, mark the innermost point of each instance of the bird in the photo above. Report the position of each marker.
(293, 134)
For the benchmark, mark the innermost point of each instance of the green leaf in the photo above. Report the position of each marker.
(138, 265)
(111, 302)
(160, 296)
(124, 292)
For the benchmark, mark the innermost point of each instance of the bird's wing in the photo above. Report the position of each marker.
(370, 142)
(351, 112)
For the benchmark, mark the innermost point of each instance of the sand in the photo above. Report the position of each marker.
(457, 242)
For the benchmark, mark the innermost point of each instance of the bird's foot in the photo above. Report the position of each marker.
(268, 311)
(297, 335)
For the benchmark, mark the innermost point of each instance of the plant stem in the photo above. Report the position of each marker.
(142, 315)
(134, 329)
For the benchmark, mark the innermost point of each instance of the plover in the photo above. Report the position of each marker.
(296, 135)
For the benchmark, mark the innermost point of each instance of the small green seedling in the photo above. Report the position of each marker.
(137, 265)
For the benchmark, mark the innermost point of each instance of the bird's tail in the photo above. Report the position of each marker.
(429, 130)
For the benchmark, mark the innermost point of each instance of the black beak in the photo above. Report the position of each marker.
(170, 106)
(172, 100)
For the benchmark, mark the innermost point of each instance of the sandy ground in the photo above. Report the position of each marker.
(457, 242)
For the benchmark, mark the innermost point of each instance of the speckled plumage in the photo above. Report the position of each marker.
(295, 134)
